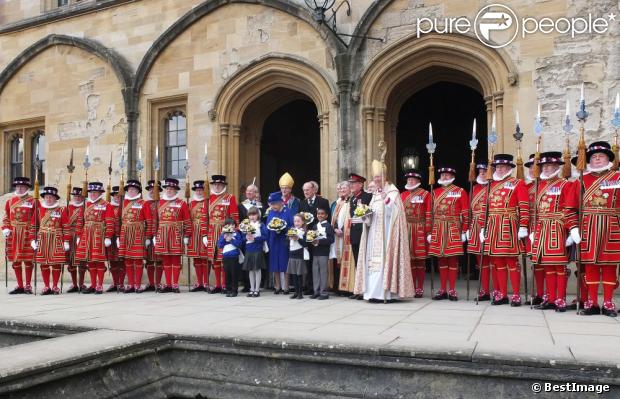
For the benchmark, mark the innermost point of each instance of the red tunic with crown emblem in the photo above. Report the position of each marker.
(94, 226)
(220, 207)
(450, 220)
(600, 227)
(174, 225)
(53, 231)
(113, 252)
(478, 206)
(151, 256)
(18, 212)
(136, 228)
(417, 203)
(195, 248)
(509, 209)
(553, 220)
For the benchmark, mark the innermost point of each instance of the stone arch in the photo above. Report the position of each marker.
(120, 66)
(208, 6)
(411, 64)
(296, 78)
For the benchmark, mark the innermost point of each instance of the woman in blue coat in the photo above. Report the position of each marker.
(278, 243)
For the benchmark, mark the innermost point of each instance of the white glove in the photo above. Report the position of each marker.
(532, 238)
(482, 238)
(147, 243)
(574, 234)
(107, 242)
(569, 241)
(464, 237)
(66, 246)
(185, 240)
(429, 238)
(522, 233)
(34, 244)
(468, 235)
(154, 241)
(118, 243)
(6, 233)
(77, 242)
(205, 241)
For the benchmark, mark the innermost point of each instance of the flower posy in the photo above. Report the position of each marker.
(276, 224)
(311, 235)
(228, 229)
(308, 217)
(362, 210)
(246, 227)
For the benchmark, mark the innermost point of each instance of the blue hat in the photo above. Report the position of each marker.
(275, 197)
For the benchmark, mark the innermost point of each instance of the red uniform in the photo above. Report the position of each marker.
(75, 213)
(450, 224)
(153, 269)
(539, 270)
(174, 226)
(95, 225)
(474, 246)
(196, 249)
(18, 213)
(117, 266)
(136, 228)
(553, 220)
(600, 232)
(53, 233)
(509, 210)
(417, 203)
(221, 206)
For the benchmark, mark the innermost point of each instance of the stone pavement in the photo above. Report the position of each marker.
(458, 330)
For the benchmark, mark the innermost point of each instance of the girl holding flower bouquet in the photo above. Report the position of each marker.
(278, 222)
(255, 235)
(297, 255)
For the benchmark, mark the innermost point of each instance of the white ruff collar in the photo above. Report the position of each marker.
(601, 169)
(49, 206)
(130, 198)
(219, 193)
(445, 182)
(93, 201)
(147, 196)
(497, 177)
(551, 176)
(480, 181)
(20, 195)
(166, 198)
(114, 203)
(77, 204)
(411, 188)
(197, 198)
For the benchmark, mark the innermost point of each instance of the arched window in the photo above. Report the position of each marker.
(38, 149)
(175, 138)
(17, 157)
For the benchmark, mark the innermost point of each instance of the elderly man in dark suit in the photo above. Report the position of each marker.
(309, 204)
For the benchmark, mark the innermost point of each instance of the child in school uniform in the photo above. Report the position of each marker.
(297, 255)
(254, 246)
(230, 243)
(325, 238)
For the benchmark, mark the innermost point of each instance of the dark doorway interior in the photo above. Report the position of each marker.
(451, 108)
(290, 143)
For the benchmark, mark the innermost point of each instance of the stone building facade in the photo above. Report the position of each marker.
(265, 87)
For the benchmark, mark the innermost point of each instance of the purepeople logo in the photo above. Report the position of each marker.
(497, 25)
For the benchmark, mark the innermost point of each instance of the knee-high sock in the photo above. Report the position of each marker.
(515, 274)
(81, 274)
(17, 269)
(218, 276)
(609, 275)
(540, 278)
(92, 271)
(453, 271)
(284, 281)
(56, 270)
(121, 274)
(100, 274)
(139, 272)
(150, 273)
(551, 278)
(198, 266)
(593, 276)
(114, 273)
(130, 272)
(561, 281)
(176, 270)
(29, 269)
(45, 273)
(252, 281)
(73, 274)
(443, 273)
(485, 274)
(501, 270)
(418, 271)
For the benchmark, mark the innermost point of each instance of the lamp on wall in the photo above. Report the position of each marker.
(410, 158)
(320, 7)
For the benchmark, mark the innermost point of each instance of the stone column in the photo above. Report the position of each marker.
(488, 102)
(223, 155)
(498, 97)
(233, 165)
(325, 161)
(369, 119)
(132, 144)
